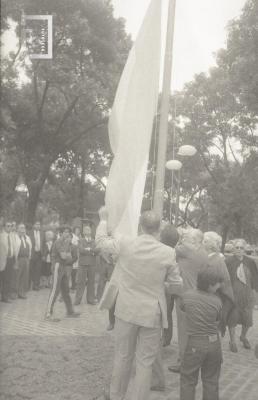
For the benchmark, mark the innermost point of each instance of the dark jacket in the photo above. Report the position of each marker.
(217, 263)
(233, 264)
(32, 238)
(46, 251)
(64, 253)
(87, 253)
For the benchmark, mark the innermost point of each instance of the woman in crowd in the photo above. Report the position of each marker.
(244, 279)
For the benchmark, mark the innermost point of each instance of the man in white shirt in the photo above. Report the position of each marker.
(23, 252)
(144, 267)
(14, 269)
(7, 261)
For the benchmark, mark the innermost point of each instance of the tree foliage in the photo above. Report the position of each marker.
(63, 103)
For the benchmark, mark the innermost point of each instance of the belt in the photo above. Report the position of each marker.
(211, 338)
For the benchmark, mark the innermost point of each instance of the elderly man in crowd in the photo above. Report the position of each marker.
(143, 266)
(7, 261)
(191, 258)
(14, 269)
(23, 254)
(87, 266)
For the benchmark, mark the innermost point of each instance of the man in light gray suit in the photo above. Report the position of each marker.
(144, 268)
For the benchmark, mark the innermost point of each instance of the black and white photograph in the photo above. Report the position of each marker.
(129, 200)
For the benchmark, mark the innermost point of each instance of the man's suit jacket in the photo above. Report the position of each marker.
(3, 250)
(18, 245)
(144, 268)
(4, 247)
(46, 251)
(87, 252)
(32, 238)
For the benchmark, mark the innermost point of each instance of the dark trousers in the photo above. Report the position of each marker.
(201, 353)
(73, 278)
(14, 272)
(35, 269)
(111, 315)
(60, 283)
(168, 332)
(85, 278)
(6, 279)
(23, 276)
(105, 272)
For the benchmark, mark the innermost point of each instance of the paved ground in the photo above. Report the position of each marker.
(72, 359)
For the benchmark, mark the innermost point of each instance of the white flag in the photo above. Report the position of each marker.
(130, 125)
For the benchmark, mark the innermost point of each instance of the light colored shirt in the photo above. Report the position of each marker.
(37, 240)
(10, 245)
(49, 245)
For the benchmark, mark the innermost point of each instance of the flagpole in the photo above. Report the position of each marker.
(163, 127)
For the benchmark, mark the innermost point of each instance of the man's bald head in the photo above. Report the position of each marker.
(150, 222)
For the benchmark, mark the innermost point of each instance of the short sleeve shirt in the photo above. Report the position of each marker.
(202, 311)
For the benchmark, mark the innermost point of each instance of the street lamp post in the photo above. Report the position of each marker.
(175, 166)
(22, 190)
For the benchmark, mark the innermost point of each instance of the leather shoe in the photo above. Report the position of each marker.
(73, 315)
(6, 301)
(92, 303)
(22, 297)
(233, 347)
(174, 368)
(50, 318)
(245, 342)
(110, 327)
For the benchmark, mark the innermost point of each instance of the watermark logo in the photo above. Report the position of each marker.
(38, 31)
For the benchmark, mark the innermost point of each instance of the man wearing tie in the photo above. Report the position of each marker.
(7, 261)
(23, 260)
(86, 270)
(36, 238)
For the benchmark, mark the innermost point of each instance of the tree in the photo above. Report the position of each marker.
(65, 101)
(210, 117)
(240, 58)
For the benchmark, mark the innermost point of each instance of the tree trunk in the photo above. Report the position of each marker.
(224, 237)
(82, 188)
(35, 189)
(32, 203)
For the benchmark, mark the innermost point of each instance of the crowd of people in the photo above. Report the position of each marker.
(210, 291)
(62, 260)
(148, 277)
